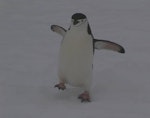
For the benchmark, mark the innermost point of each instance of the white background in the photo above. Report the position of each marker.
(29, 54)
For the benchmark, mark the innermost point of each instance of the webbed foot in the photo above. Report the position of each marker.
(85, 97)
(60, 86)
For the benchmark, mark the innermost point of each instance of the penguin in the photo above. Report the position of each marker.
(77, 52)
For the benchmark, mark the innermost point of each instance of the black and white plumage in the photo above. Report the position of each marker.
(76, 54)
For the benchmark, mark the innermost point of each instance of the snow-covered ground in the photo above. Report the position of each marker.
(29, 56)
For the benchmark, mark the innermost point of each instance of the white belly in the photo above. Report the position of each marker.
(76, 59)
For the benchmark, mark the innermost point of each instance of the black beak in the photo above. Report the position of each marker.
(75, 22)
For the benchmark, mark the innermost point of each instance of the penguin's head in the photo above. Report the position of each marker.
(78, 19)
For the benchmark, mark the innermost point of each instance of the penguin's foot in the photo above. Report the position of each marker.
(60, 86)
(85, 97)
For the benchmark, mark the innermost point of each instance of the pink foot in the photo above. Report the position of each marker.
(85, 97)
(60, 86)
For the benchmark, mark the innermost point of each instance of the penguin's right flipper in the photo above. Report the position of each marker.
(58, 29)
(103, 44)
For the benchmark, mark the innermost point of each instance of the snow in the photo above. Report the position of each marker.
(29, 55)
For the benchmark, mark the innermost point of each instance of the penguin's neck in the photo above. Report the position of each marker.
(80, 28)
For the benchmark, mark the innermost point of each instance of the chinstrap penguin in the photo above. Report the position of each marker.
(76, 54)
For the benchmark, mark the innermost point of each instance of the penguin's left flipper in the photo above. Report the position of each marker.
(108, 45)
(58, 29)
